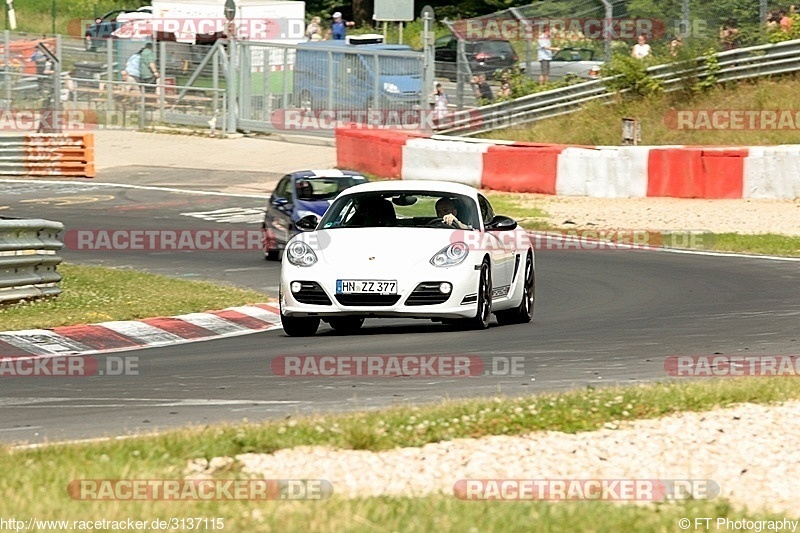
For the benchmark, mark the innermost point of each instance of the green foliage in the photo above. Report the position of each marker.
(712, 69)
(624, 72)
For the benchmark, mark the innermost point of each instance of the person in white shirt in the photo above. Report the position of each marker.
(545, 55)
(641, 49)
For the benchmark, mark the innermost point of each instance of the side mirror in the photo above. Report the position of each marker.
(279, 202)
(307, 223)
(501, 223)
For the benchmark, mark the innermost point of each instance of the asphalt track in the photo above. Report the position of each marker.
(602, 317)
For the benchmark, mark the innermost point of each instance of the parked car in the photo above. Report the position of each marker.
(407, 249)
(98, 33)
(484, 56)
(571, 62)
(297, 195)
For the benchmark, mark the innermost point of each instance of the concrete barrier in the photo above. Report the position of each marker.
(602, 171)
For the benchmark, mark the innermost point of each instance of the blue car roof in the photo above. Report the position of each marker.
(344, 45)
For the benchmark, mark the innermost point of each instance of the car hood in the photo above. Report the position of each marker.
(387, 249)
(318, 207)
(410, 83)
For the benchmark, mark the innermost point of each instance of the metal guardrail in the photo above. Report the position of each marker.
(739, 64)
(28, 259)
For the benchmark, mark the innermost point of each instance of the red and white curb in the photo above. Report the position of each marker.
(132, 334)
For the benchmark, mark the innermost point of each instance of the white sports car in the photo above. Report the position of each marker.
(417, 249)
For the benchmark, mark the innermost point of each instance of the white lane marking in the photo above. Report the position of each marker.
(142, 187)
(230, 215)
(42, 342)
(142, 332)
(213, 323)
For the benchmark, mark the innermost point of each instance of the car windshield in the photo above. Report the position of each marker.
(319, 188)
(412, 209)
(400, 66)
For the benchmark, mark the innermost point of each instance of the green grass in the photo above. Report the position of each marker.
(50, 469)
(601, 125)
(98, 294)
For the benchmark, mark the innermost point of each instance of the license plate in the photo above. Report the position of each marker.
(365, 286)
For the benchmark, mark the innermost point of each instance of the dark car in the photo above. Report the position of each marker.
(100, 31)
(484, 56)
(302, 194)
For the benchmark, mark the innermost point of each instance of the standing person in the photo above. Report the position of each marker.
(439, 102)
(482, 88)
(314, 29)
(147, 68)
(339, 27)
(545, 55)
(729, 35)
(641, 49)
(131, 74)
(675, 46)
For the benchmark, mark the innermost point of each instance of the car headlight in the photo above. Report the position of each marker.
(451, 255)
(391, 88)
(300, 254)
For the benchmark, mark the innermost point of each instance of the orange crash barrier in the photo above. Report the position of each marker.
(45, 154)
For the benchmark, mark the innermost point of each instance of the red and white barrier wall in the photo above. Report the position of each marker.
(600, 171)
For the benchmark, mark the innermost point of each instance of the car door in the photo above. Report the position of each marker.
(500, 244)
(445, 49)
(278, 219)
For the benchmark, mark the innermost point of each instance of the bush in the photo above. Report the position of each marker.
(624, 72)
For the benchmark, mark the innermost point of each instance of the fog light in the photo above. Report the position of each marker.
(296, 286)
(445, 288)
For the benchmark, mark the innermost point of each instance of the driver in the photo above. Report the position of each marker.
(446, 210)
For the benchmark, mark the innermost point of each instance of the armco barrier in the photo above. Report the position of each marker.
(44, 154)
(28, 258)
(603, 171)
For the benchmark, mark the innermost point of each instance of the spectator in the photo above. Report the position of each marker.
(729, 35)
(147, 68)
(439, 102)
(314, 29)
(774, 20)
(482, 88)
(545, 55)
(785, 22)
(675, 46)
(339, 27)
(505, 86)
(641, 49)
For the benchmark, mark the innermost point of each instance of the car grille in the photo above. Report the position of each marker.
(311, 294)
(427, 294)
(367, 299)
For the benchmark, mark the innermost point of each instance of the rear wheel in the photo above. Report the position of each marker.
(299, 326)
(524, 312)
(346, 324)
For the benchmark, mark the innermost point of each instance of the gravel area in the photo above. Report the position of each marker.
(748, 450)
(673, 214)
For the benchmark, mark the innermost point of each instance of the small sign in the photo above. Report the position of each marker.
(394, 10)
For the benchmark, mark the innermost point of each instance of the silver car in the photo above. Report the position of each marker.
(571, 62)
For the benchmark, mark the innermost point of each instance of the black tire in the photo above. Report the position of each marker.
(272, 255)
(346, 324)
(484, 312)
(524, 312)
(299, 326)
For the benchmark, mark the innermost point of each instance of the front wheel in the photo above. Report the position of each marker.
(524, 312)
(299, 326)
(484, 312)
